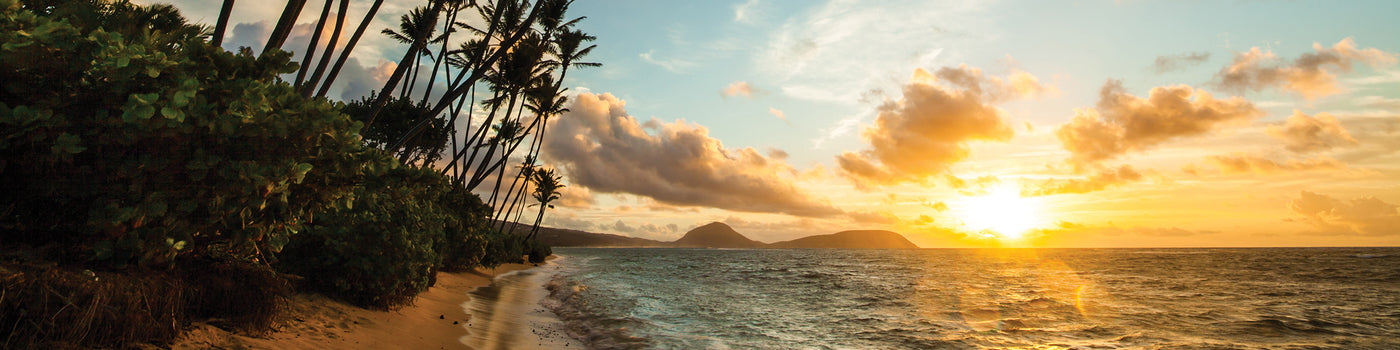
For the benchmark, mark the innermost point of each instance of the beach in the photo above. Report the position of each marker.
(436, 320)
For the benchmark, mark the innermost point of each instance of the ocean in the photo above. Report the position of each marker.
(1306, 298)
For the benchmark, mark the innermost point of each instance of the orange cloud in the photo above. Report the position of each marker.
(608, 151)
(1308, 75)
(778, 113)
(576, 197)
(1122, 123)
(1099, 181)
(1304, 134)
(738, 88)
(1242, 163)
(1367, 215)
(929, 128)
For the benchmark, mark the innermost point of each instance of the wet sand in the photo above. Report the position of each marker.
(507, 314)
(437, 320)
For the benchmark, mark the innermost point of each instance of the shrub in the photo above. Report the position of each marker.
(128, 138)
(537, 251)
(382, 250)
(465, 227)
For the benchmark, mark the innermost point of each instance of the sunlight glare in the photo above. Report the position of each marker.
(1003, 212)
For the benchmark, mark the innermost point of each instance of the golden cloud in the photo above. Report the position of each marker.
(1304, 134)
(738, 88)
(1099, 181)
(608, 151)
(1367, 215)
(1243, 163)
(1122, 123)
(1308, 75)
(929, 128)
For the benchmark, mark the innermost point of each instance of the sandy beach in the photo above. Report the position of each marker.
(437, 320)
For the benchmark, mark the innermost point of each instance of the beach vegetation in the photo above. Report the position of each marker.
(149, 177)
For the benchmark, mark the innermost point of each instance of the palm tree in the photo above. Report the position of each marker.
(429, 19)
(311, 45)
(284, 25)
(349, 46)
(330, 49)
(222, 24)
(547, 185)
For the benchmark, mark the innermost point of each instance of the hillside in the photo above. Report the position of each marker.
(862, 239)
(716, 235)
(720, 235)
(558, 237)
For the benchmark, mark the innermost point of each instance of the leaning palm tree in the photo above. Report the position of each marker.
(547, 185)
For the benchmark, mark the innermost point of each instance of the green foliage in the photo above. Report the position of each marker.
(537, 251)
(381, 251)
(397, 117)
(125, 135)
(465, 226)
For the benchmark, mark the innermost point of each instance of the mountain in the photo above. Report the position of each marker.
(558, 237)
(862, 239)
(719, 235)
(716, 235)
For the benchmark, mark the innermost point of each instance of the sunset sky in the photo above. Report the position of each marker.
(968, 123)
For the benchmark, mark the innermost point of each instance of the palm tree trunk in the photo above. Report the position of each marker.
(349, 46)
(386, 91)
(330, 49)
(311, 46)
(477, 73)
(284, 25)
(442, 53)
(218, 39)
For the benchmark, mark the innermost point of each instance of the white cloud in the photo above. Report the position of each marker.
(747, 12)
(675, 65)
(844, 48)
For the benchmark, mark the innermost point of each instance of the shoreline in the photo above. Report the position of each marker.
(437, 319)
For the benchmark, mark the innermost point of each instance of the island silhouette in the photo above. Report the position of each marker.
(721, 235)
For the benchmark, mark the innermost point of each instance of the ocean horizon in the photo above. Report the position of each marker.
(1079, 298)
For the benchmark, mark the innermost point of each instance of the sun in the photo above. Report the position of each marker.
(1003, 213)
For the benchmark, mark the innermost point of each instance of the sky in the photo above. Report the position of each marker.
(966, 123)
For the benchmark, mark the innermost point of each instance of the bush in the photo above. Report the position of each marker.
(465, 227)
(538, 251)
(126, 137)
(381, 251)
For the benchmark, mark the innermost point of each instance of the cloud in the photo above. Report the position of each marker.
(745, 12)
(1165, 64)
(1304, 134)
(874, 217)
(675, 65)
(838, 50)
(929, 128)
(606, 150)
(1243, 163)
(1310, 75)
(738, 88)
(1097, 182)
(1366, 215)
(779, 113)
(1122, 123)
(576, 197)
(1379, 102)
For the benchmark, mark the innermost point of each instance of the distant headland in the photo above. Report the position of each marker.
(720, 235)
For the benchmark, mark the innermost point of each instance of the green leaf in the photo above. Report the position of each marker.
(68, 144)
(123, 61)
(171, 113)
(141, 112)
(152, 71)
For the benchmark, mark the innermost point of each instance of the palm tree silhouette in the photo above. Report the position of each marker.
(547, 185)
